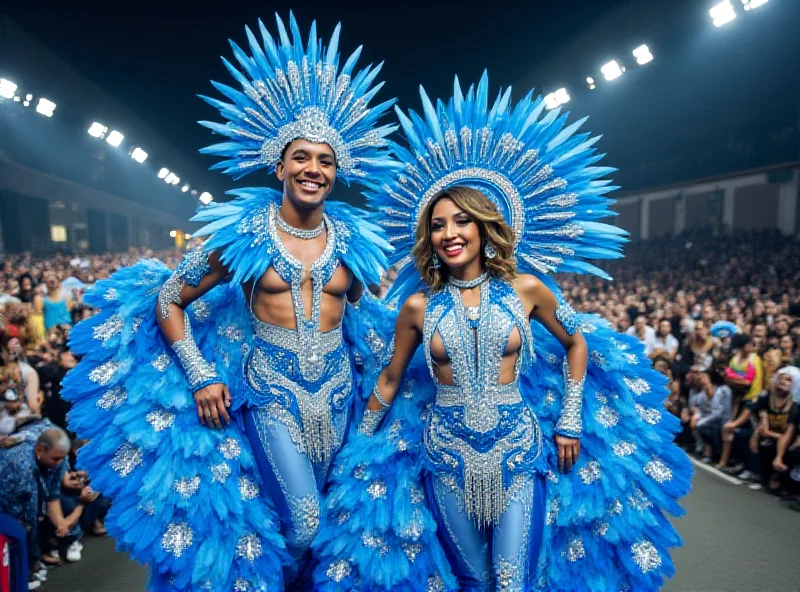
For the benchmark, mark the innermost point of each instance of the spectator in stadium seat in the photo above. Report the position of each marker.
(776, 411)
(745, 372)
(759, 336)
(56, 305)
(30, 478)
(709, 426)
(787, 457)
(643, 332)
(664, 343)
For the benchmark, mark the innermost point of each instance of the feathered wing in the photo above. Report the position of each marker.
(186, 497)
(605, 525)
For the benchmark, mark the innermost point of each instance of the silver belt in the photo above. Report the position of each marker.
(291, 340)
(451, 395)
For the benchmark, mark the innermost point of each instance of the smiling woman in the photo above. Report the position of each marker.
(463, 224)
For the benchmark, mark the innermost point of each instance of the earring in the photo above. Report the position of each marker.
(436, 263)
(489, 251)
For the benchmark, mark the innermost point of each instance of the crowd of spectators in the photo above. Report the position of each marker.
(46, 505)
(719, 316)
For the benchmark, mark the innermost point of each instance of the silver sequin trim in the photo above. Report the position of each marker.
(177, 538)
(377, 490)
(230, 448)
(657, 470)
(104, 373)
(247, 488)
(160, 419)
(590, 473)
(646, 556)
(126, 459)
(112, 398)
(575, 550)
(220, 472)
(339, 570)
(249, 547)
(186, 488)
(108, 329)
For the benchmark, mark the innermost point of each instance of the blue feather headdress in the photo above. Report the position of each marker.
(539, 172)
(290, 91)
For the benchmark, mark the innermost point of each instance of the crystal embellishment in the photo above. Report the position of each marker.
(249, 547)
(646, 556)
(177, 538)
(220, 472)
(104, 373)
(126, 459)
(186, 488)
(230, 448)
(160, 419)
(657, 470)
(339, 570)
(112, 398)
(247, 488)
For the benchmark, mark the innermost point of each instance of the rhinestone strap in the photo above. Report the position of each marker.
(371, 421)
(199, 372)
(569, 422)
(301, 233)
(377, 394)
(466, 284)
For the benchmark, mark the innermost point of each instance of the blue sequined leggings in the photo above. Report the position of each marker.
(291, 480)
(503, 557)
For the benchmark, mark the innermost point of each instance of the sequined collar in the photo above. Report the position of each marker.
(287, 260)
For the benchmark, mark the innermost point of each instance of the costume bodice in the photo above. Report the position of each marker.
(480, 433)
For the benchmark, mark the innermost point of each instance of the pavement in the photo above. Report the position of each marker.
(735, 540)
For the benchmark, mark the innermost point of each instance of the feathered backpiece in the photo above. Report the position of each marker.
(538, 171)
(292, 91)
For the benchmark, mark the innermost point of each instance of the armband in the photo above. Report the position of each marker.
(569, 422)
(199, 372)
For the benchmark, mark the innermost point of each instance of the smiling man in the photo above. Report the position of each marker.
(266, 326)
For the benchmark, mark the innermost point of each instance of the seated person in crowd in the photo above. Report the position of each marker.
(30, 485)
(777, 412)
(745, 373)
(643, 332)
(709, 425)
(787, 458)
(664, 343)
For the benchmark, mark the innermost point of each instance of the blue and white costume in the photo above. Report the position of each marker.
(235, 509)
(475, 462)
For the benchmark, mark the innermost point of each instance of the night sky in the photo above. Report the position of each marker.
(155, 57)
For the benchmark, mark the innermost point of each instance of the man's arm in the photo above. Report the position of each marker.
(56, 515)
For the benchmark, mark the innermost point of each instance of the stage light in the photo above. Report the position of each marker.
(187, 236)
(45, 107)
(642, 55)
(29, 97)
(172, 179)
(205, 198)
(562, 96)
(722, 13)
(97, 130)
(748, 4)
(115, 138)
(173, 233)
(139, 155)
(163, 173)
(185, 188)
(26, 103)
(17, 98)
(612, 70)
(550, 101)
(193, 193)
(7, 88)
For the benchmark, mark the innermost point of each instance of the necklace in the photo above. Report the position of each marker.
(467, 284)
(301, 233)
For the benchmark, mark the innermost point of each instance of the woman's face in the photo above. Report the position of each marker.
(25, 285)
(455, 236)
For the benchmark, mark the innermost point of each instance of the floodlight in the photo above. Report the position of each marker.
(172, 179)
(173, 233)
(139, 155)
(642, 55)
(187, 236)
(115, 138)
(748, 4)
(550, 101)
(26, 103)
(205, 198)
(193, 193)
(185, 188)
(163, 173)
(562, 96)
(7, 88)
(17, 99)
(589, 80)
(611, 70)
(45, 107)
(97, 130)
(722, 13)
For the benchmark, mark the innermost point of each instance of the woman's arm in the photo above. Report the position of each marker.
(407, 337)
(561, 321)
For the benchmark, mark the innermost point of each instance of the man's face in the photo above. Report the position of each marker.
(49, 458)
(760, 332)
(308, 172)
(664, 327)
(67, 360)
(700, 331)
(641, 322)
(52, 282)
(786, 344)
(782, 328)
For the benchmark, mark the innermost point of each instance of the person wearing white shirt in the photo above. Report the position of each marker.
(664, 343)
(644, 333)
